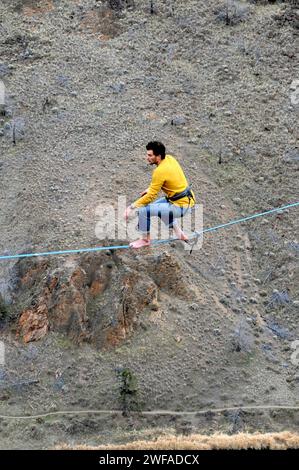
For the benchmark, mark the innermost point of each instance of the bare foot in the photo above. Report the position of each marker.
(184, 238)
(140, 243)
(180, 234)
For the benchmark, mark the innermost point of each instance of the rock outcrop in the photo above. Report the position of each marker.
(99, 298)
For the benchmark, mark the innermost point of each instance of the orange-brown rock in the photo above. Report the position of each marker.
(93, 297)
(33, 323)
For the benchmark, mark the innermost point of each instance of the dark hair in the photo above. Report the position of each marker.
(157, 147)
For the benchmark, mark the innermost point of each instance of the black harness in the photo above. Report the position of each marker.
(186, 193)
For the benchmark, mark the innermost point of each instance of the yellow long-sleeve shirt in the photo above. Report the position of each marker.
(168, 177)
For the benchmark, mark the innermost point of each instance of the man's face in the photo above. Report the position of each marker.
(151, 158)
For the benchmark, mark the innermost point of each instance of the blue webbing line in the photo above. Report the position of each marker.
(154, 242)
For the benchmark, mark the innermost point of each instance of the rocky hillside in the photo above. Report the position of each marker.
(87, 84)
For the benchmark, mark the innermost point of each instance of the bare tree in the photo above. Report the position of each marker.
(152, 7)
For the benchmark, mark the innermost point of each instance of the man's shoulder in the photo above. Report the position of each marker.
(167, 159)
(160, 169)
(170, 157)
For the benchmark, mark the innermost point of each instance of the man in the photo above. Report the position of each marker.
(169, 177)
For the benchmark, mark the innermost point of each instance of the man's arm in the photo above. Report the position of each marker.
(152, 191)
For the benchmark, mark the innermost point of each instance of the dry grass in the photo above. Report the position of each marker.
(280, 440)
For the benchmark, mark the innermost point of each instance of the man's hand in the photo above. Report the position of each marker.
(128, 212)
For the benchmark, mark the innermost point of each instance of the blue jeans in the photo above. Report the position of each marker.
(166, 211)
